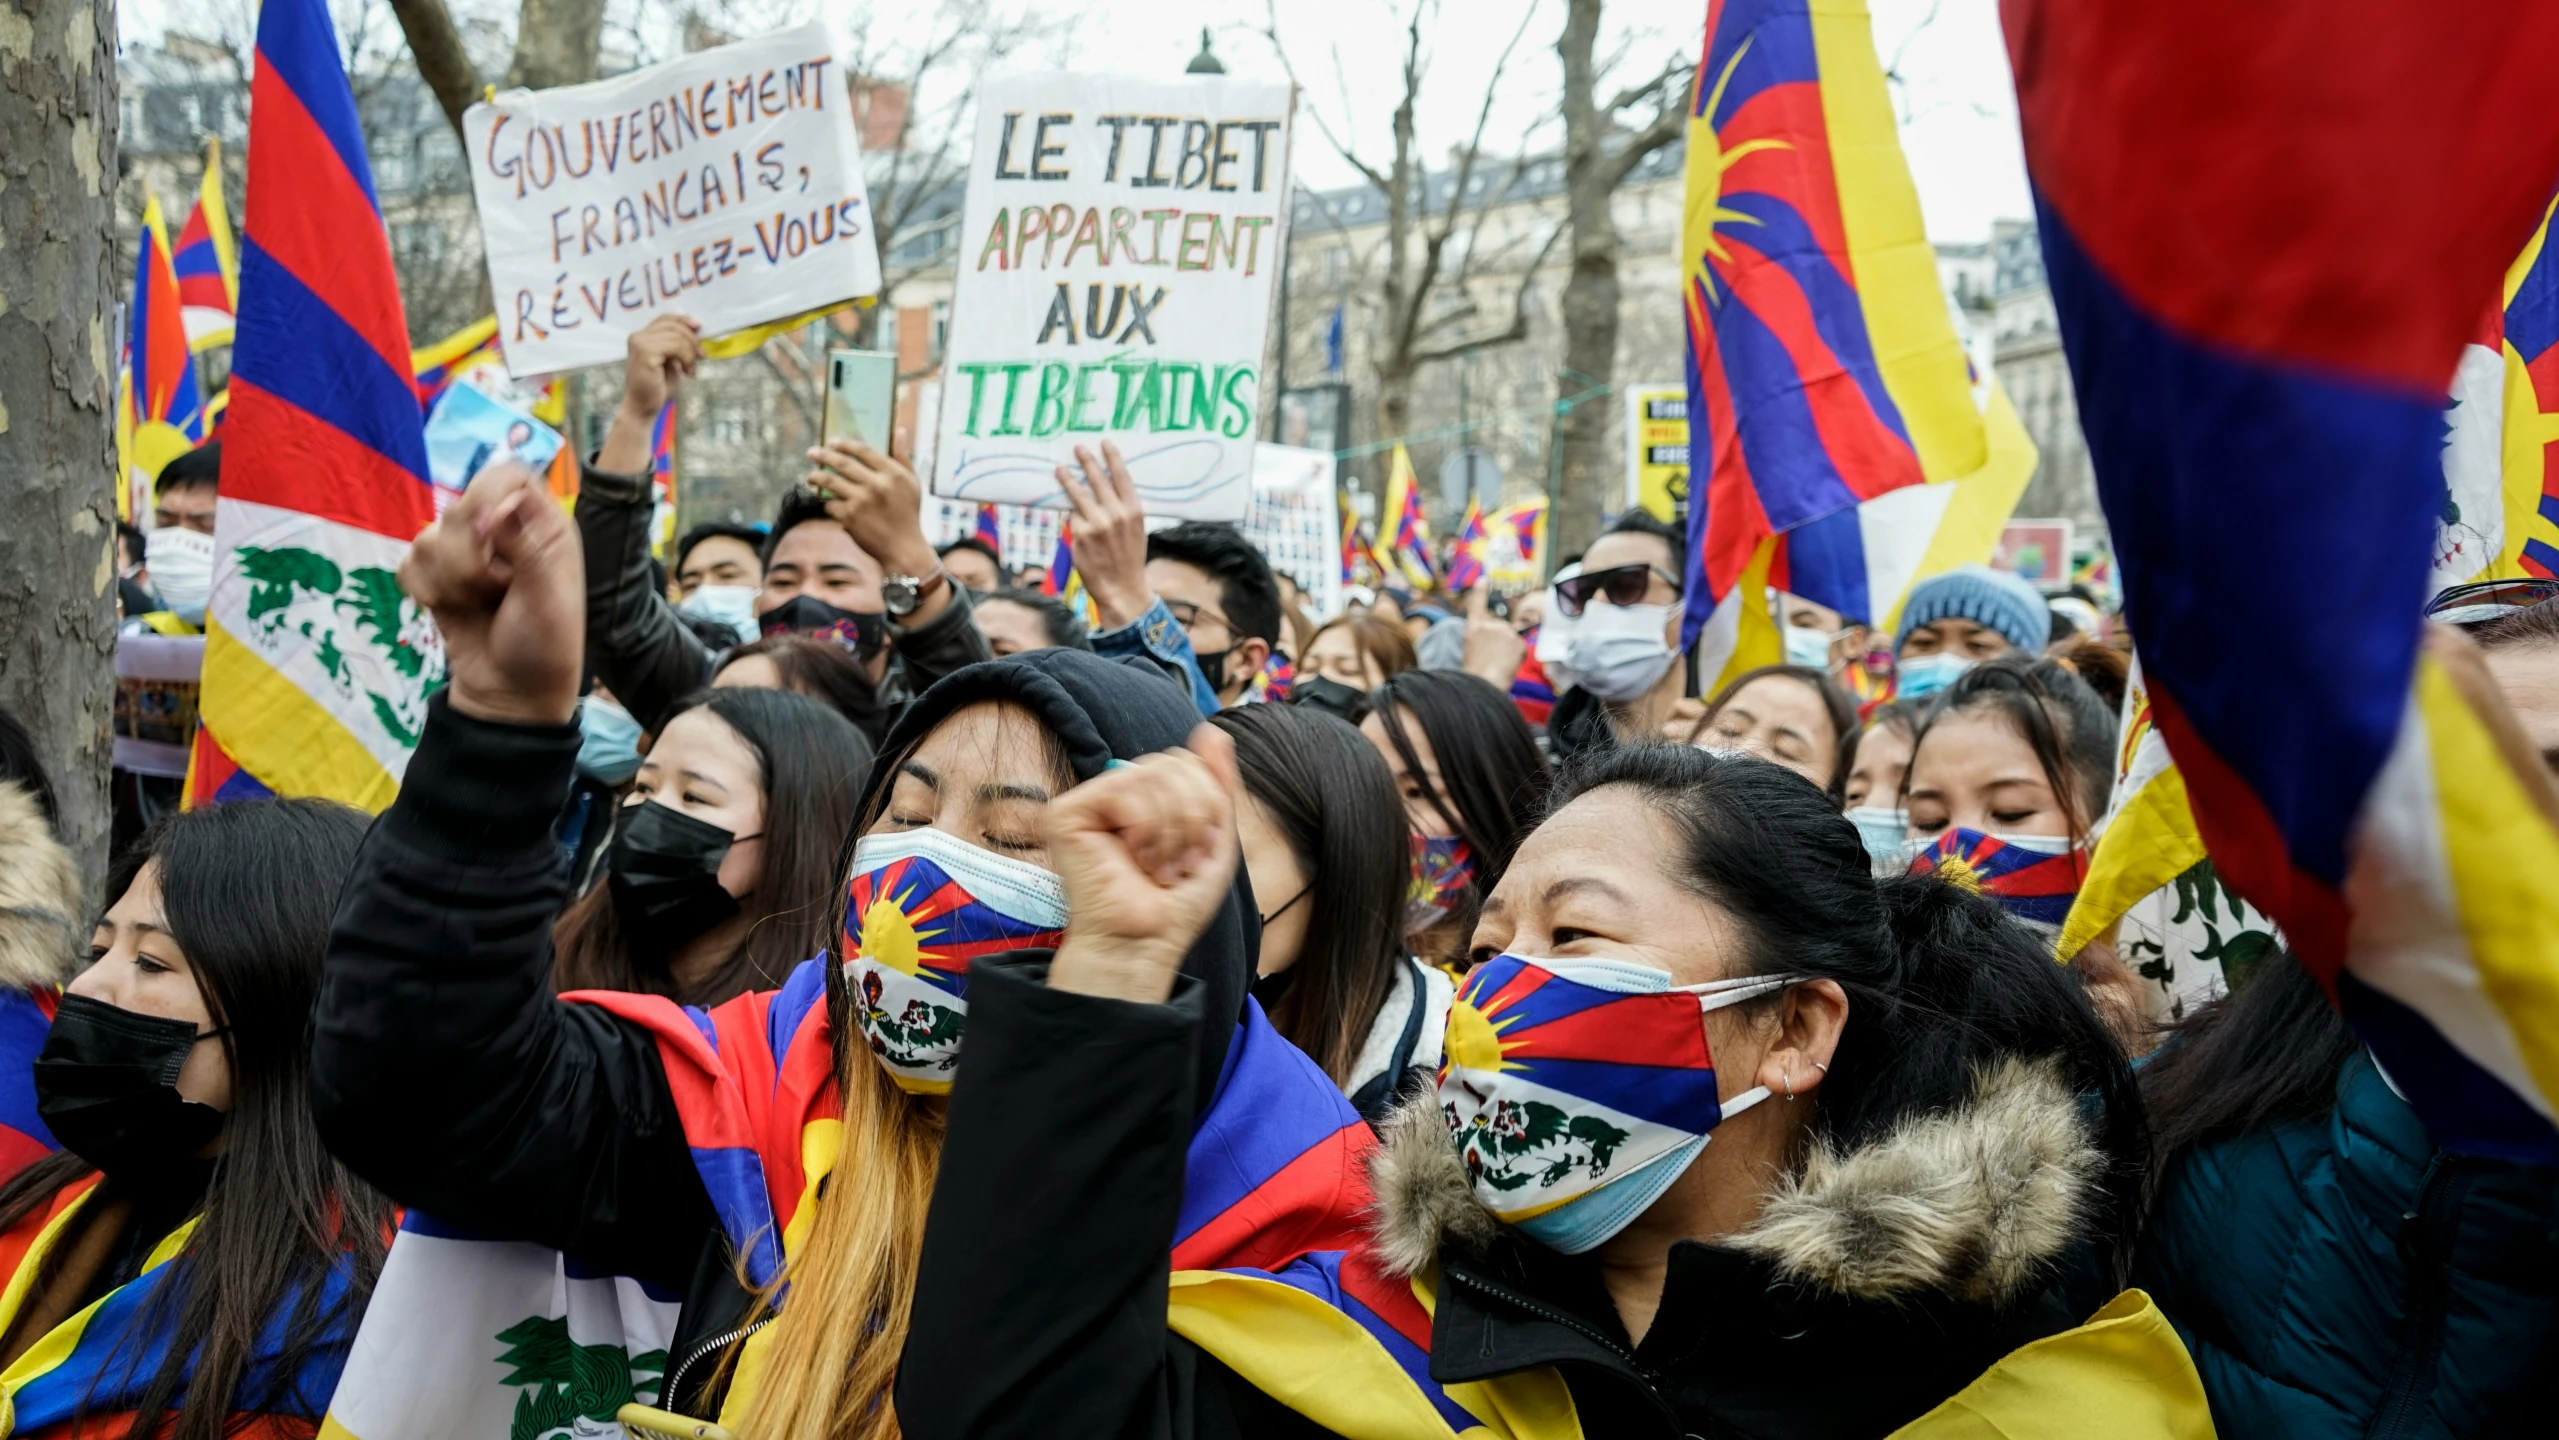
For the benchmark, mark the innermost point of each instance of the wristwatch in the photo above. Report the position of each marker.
(902, 593)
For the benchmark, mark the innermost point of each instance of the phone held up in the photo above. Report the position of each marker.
(861, 397)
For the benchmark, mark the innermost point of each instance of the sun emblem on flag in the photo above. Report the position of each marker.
(1474, 1039)
(1707, 162)
(1957, 871)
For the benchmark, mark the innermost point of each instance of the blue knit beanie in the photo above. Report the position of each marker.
(1992, 599)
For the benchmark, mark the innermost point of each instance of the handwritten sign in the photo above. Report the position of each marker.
(1116, 260)
(726, 185)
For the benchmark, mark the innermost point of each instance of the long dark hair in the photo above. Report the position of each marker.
(825, 672)
(2266, 1053)
(248, 890)
(1330, 793)
(1942, 985)
(2055, 712)
(812, 764)
(1492, 780)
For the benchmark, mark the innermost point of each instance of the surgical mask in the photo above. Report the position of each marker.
(1921, 676)
(1555, 638)
(1443, 871)
(609, 740)
(1576, 1091)
(861, 631)
(181, 564)
(2034, 877)
(921, 905)
(1886, 834)
(106, 1085)
(1808, 647)
(665, 877)
(732, 605)
(1618, 650)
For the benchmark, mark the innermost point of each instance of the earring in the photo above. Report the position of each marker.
(1822, 1068)
(1788, 1080)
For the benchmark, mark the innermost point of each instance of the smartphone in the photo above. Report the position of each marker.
(861, 396)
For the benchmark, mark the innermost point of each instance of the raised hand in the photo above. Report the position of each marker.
(1493, 649)
(505, 579)
(657, 360)
(1147, 853)
(1110, 534)
(880, 503)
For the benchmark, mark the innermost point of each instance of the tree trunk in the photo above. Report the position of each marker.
(1591, 473)
(442, 62)
(555, 42)
(57, 400)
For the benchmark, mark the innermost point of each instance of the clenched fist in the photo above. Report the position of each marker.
(1147, 853)
(505, 579)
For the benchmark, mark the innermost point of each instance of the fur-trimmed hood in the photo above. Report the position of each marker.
(1977, 1203)
(40, 929)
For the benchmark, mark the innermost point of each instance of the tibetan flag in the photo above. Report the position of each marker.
(1532, 689)
(1863, 561)
(2032, 885)
(1408, 535)
(1061, 562)
(989, 530)
(437, 366)
(2262, 384)
(316, 668)
(1518, 544)
(1823, 368)
(208, 270)
(2501, 461)
(167, 405)
(1466, 553)
(1271, 683)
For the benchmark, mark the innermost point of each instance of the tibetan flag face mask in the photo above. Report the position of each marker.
(2035, 876)
(921, 905)
(1578, 1090)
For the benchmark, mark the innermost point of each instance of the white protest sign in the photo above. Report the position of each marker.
(726, 185)
(1296, 520)
(1116, 261)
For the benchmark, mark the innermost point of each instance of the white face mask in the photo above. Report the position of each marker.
(1887, 837)
(1555, 638)
(181, 563)
(1618, 650)
(733, 604)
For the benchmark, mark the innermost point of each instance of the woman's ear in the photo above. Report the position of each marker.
(1810, 1016)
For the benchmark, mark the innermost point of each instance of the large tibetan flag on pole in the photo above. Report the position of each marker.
(2270, 230)
(316, 668)
(163, 404)
(2501, 462)
(208, 271)
(1823, 369)
(1863, 561)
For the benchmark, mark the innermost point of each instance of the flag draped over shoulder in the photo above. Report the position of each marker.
(1823, 370)
(2263, 401)
(207, 269)
(161, 412)
(316, 668)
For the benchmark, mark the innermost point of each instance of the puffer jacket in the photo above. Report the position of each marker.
(1912, 1286)
(2343, 1277)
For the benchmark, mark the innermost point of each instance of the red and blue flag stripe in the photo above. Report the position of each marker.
(2031, 885)
(2269, 231)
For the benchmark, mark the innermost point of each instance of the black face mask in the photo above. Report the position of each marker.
(665, 877)
(863, 632)
(107, 1087)
(1332, 695)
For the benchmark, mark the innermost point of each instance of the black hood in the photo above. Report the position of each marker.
(1100, 710)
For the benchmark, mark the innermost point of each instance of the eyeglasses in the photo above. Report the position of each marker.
(1186, 615)
(1621, 584)
(2481, 601)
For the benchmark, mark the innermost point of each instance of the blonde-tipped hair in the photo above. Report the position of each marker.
(836, 1343)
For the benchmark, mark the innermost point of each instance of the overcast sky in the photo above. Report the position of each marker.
(1959, 111)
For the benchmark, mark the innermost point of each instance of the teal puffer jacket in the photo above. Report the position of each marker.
(2342, 1277)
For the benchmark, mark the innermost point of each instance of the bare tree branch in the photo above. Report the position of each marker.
(1350, 157)
(1669, 123)
(1518, 328)
(442, 62)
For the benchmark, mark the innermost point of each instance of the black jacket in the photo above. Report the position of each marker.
(445, 1073)
(1834, 1316)
(637, 647)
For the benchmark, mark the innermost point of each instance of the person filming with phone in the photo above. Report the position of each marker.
(847, 559)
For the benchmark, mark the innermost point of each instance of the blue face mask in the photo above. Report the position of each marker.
(610, 749)
(1924, 675)
(1808, 647)
(1887, 837)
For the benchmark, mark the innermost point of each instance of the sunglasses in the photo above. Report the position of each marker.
(2481, 601)
(1621, 584)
